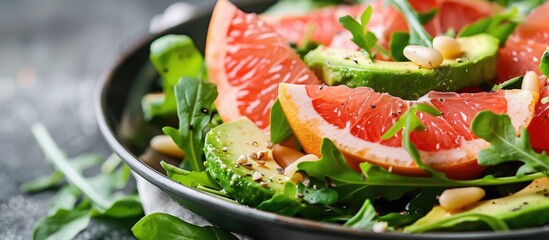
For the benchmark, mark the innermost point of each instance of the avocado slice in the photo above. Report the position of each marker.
(406, 79)
(526, 208)
(225, 145)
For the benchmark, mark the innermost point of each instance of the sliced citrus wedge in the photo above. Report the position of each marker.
(247, 59)
(355, 119)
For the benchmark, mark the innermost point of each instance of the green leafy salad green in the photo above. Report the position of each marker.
(271, 170)
(330, 190)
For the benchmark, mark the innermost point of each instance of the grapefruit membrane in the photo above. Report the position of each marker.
(247, 59)
(355, 120)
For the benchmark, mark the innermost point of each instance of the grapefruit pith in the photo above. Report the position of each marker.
(247, 59)
(355, 120)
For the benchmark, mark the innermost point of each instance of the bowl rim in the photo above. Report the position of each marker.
(166, 184)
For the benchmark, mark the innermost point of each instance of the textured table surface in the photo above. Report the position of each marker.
(52, 54)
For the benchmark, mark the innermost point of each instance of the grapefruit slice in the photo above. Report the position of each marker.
(539, 127)
(324, 23)
(355, 120)
(525, 46)
(247, 59)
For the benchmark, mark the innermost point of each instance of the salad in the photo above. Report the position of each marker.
(407, 116)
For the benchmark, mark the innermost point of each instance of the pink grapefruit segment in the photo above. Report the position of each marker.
(247, 59)
(356, 118)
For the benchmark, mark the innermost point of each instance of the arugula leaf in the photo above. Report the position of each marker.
(60, 162)
(195, 99)
(377, 176)
(513, 83)
(399, 40)
(317, 192)
(64, 224)
(500, 26)
(168, 227)
(364, 218)
(418, 34)
(361, 37)
(284, 203)
(280, 129)
(332, 164)
(168, 54)
(408, 123)
(42, 183)
(188, 178)
(84, 199)
(56, 178)
(544, 62)
(498, 130)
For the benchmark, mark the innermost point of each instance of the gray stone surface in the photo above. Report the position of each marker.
(52, 53)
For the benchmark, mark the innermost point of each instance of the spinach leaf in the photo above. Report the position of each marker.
(418, 34)
(188, 178)
(364, 218)
(498, 130)
(64, 224)
(280, 129)
(361, 37)
(494, 223)
(195, 99)
(544, 62)
(174, 57)
(125, 207)
(66, 198)
(167, 227)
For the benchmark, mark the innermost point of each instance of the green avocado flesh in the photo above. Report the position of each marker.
(406, 79)
(526, 208)
(225, 144)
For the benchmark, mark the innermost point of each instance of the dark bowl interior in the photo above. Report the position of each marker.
(121, 122)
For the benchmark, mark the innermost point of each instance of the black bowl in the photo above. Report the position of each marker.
(121, 122)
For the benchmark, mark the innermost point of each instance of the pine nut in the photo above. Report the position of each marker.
(291, 169)
(423, 56)
(380, 227)
(530, 82)
(448, 46)
(456, 198)
(164, 144)
(284, 156)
